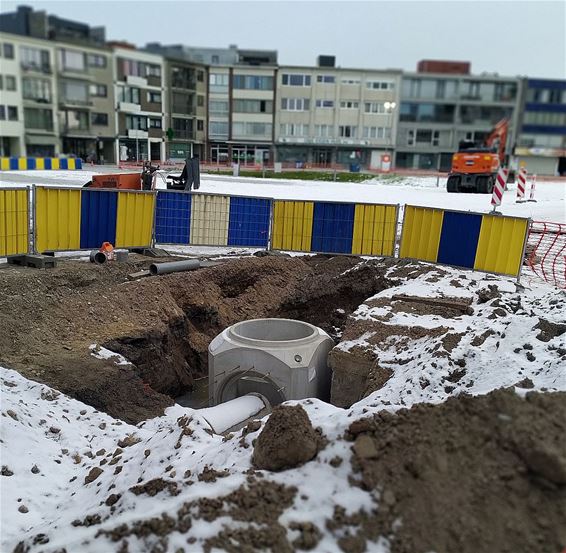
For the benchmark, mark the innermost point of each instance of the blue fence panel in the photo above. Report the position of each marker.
(14, 164)
(31, 163)
(172, 218)
(459, 239)
(63, 163)
(333, 226)
(98, 218)
(248, 224)
(78, 163)
(47, 163)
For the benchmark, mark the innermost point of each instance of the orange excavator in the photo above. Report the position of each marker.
(474, 167)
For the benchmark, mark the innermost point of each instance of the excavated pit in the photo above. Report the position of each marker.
(162, 325)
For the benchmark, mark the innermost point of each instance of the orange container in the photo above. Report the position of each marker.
(123, 181)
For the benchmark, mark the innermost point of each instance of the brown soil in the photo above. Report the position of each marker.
(162, 325)
(288, 440)
(473, 474)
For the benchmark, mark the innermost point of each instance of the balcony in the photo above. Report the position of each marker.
(183, 135)
(132, 80)
(139, 134)
(128, 107)
(71, 102)
(43, 68)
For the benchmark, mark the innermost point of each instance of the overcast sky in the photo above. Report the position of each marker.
(507, 37)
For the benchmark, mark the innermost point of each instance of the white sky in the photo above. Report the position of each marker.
(507, 37)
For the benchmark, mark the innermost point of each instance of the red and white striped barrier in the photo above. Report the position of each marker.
(533, 186)
(521, 185)
(499, 188)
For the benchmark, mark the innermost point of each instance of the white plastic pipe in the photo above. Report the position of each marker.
(229, 414)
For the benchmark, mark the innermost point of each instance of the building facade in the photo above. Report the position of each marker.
(329, 115)
(541, 143)
(140, 104)
(438, 110)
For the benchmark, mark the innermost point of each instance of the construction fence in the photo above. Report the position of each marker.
(70, 219)
(40, 163)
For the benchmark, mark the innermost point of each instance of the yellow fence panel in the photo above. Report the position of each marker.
(375, 227)
(57, 219)
(292, 225)
(421, 233)
(40, 163)
(14, 222)
(134, 221)
(55, 163)
(500, 244)
(209, 220)
(5, 164)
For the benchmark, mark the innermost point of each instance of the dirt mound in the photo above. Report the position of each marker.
(288, 440)
(474, 474)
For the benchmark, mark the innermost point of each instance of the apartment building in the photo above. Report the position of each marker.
(441, 108)
(11, 103)
(140, 103)
(327, 114)
(186, 85)
(541, 141)
(87, 124)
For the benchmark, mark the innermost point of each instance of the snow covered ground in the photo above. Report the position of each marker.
(69, 473)
(550, 205)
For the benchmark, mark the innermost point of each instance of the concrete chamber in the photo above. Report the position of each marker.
(280, 359)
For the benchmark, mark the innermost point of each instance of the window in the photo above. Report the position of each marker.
(8, 51)
(349, 104)
(380, 85)
(295, 80)
(129, 94)
(12, 113)
(38, 119)
(351, 81)
(72, 60)
(153, 97)
(200, 76)
(295, 104)
(325, 79)
(100, 119)
(34, 58)
(347, 131)
(377, 132)
(136, 122)
(155, 123)
(218, 128)
(323, 131)
(253, 106)
(98, 90)
(215, 59)
(183, 102)
(324, 103)
(96, 60)
(36, 89)
(183, 128)
(439, 113)
(10, 82)
(252, 129)
(2, 113)
(218, 82)
(132, 67)
(74, 120)
(200, 125)
(374, 107)
(74, 92)
(488, 115)
(294, 129)
(218, 107)
(253, 82)
(1, 82)
(200, 100)
(152, 70)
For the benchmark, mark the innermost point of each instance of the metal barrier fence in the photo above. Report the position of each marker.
(77, 219)
(212, 220)
(14, 221)
(546, 252)
(69, 219)
(334, 227)
(482, 242)
(40, 163)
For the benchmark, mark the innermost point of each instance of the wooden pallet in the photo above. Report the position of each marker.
(31, 260)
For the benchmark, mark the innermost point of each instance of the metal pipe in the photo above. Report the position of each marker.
(98, 257)
(174, 267)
